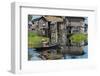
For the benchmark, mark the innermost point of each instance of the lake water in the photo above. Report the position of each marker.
(35, 55)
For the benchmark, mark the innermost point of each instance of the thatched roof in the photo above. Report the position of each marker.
(59, 18)
(75, 18)
(54, 18)
(50, 18)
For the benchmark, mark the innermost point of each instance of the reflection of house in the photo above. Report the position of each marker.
(57, 27)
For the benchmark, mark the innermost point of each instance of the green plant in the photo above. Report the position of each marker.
(79, 37)
(32, 34)
(34, 40)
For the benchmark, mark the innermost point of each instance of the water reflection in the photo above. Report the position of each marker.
(63, 52)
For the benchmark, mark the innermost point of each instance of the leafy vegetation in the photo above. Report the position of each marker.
(32, 34)
(79, 37)
(34, 40)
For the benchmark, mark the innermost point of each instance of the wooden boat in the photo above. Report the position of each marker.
(48, 47)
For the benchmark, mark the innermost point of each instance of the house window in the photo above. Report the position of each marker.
(76, 29)
(33, 29)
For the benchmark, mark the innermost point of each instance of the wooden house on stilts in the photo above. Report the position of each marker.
(57, 28)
